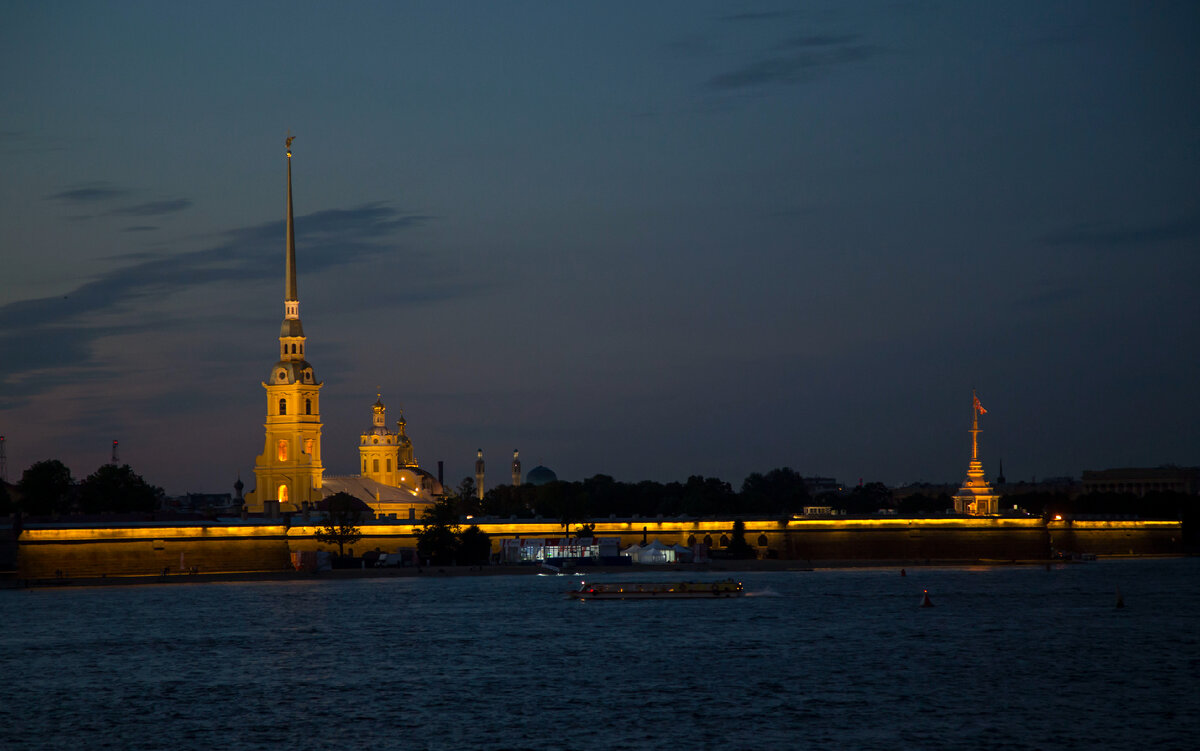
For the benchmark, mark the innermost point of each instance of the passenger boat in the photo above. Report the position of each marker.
(657, 590)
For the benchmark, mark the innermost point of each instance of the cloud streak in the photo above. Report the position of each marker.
(93, 192)
(56, 333)
(796, 59)
(153, 208)
(1108, 235)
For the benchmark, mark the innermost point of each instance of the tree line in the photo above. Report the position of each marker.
(47, 488)
(779, 492)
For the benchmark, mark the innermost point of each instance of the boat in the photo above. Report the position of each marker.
(657, 590)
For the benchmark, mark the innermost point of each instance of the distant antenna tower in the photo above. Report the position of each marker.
(3, 462)
(115, 456)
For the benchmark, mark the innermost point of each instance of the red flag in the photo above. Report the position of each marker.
(979, 407)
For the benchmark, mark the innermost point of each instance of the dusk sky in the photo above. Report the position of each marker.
(648, 240)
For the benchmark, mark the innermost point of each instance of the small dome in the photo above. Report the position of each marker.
(540, 475)
(291, 371)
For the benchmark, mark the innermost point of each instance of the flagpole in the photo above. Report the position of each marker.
(974, 426)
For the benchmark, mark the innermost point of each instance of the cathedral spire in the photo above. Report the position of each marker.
(291, 298)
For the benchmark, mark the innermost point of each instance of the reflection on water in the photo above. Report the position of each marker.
(1011, 657)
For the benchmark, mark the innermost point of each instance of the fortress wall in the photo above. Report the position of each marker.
(141, 551)
(147, 550)
(1116, 537)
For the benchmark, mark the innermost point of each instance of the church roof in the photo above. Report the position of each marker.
(364, 488)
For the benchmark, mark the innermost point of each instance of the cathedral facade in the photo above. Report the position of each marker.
(289, 474)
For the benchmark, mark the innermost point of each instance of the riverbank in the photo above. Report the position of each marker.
(684, 570)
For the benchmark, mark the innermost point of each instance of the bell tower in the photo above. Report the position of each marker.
(289, 470)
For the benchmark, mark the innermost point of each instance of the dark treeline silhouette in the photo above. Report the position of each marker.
(47, 488)
(778, 493)
(1160, 505)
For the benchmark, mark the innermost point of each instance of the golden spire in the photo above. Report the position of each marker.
(290, 293)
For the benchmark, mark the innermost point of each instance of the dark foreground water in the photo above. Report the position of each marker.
(1009, 658)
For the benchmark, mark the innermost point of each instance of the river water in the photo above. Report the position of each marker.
(1009, 658)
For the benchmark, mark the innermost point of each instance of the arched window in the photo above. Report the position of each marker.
(691, 540)
(762, 541)
(301, 348)
(283, 494)
(308, 406)
(283, 449)
(708, 541)
(283, 406)
(724, 541)
(293, 349)
(374, 465)
(308, 444)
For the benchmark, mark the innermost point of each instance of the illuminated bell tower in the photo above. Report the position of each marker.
(516, 468)
(289, 470)
(378, 448)
(976, 496)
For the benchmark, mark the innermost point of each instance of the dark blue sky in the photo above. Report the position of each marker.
(649, 240)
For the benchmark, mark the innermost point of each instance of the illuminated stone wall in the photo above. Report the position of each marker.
(147, 550)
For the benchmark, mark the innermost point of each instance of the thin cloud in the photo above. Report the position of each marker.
(1105, 234)
(766, 15)
(792, 69)
(816, 40)
(138, 228)
(153, 208)
(54, 333)
(89, 193)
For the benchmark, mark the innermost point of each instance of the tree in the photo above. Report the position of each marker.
(780, 491)
(437, 539)
(466, 498)
(120, 489)
(343, 514)
(474, 546)
(45, 488)
(586, 530)
(6, 503)
(738, 547)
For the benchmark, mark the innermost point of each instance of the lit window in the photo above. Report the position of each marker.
(283, 493)
(283, 449)
(308, 444)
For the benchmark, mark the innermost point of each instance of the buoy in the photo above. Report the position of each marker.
(1120, 599)
(926, 602)
(903, 573)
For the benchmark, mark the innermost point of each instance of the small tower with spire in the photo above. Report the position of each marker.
(377, 447)
(289, 471)
(976, 496)
(516, 468)
(479, 474)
